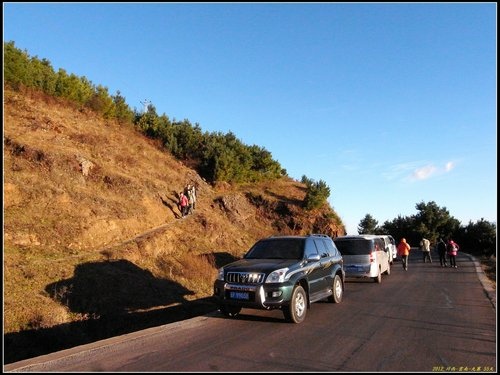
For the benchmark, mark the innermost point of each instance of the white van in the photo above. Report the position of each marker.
(365, 256)
(390, 245)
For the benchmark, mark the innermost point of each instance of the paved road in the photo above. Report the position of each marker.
(427, 319)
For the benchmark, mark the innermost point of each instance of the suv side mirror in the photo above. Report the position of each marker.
(313, 258)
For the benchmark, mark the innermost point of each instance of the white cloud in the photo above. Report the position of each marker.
(413, 171)
(449, 166)
(424, 173)
(428, 171)
(395, 172)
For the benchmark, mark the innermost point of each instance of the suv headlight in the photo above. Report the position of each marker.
(277, 276)
(220, 275)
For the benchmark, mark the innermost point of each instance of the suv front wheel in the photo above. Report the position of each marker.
(296, 311)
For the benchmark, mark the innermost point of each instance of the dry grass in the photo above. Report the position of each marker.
(489, 266)
(93, 245)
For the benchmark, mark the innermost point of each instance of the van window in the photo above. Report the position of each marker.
(354, 246)
(379, 245)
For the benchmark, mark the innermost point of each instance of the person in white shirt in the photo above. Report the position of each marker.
(425, 245)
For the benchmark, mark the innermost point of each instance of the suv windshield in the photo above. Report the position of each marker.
(282, 248)
(354, 246)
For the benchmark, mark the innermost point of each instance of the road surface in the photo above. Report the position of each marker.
(426, 319)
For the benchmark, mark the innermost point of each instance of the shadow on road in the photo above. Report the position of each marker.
(113, 298)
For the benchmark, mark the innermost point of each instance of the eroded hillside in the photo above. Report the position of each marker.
(92, 228)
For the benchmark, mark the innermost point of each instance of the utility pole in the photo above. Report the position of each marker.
(146, 104)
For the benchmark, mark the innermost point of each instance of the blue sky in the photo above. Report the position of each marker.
(390, 104)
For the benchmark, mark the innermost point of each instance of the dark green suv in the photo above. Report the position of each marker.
(286, 272)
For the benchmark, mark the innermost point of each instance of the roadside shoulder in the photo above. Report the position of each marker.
(488, 285)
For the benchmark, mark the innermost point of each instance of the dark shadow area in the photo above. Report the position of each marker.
(114, 287)
(367, 280)
(279, 210)
(221, 259)
(284, 199)
(247, 316)
(116, 298)
(301, 187)
(258, 318)
(172, 204)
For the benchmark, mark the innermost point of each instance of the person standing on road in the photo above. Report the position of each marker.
(403, 252)
(441, 249)
(425, 245)
(452, 253)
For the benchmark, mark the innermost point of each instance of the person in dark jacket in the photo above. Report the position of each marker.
(441, 249)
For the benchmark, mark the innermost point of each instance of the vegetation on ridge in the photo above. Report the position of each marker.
(215, 156)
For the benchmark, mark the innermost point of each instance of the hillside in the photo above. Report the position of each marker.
(93, 242)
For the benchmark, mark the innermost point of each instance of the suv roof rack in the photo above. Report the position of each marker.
(318, 235)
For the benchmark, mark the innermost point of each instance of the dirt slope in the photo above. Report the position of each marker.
(93, 242)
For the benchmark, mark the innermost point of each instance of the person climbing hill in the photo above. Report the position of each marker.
(183, 204)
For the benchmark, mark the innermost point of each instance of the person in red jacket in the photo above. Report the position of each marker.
(183, 204)
(452, 253)
(403, 252)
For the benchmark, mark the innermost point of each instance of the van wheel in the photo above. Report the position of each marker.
(338, 290)
(378, 278)
(388, 272)
(296, 312)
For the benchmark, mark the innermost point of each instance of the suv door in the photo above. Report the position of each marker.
(317, 275)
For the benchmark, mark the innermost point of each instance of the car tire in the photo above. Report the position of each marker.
(388, 272)
(230, 311)
(296, 311)
(378, 278)
(337, 290)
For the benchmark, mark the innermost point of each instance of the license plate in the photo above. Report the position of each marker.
(356, 268)
(239, 295)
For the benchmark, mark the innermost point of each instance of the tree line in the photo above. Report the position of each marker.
(215, 156)
(434, 222)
